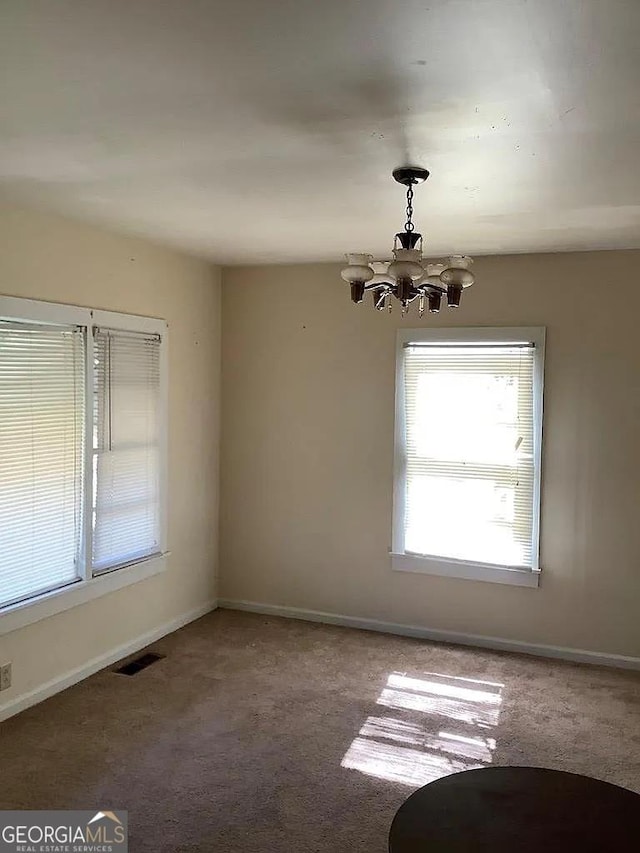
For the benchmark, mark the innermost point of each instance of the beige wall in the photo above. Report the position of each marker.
(47, 257)
(307, 450)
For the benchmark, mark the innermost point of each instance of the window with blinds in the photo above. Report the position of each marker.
(470, 453)
(126, 462)
(42, 416)
(82, 454)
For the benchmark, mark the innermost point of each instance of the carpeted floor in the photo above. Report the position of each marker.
(265, 734)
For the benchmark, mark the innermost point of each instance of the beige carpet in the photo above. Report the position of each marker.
(265, 734)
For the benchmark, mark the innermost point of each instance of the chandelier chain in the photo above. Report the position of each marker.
(409, 226)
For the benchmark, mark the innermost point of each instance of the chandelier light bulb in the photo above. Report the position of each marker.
(357, 274)
(358, 269)
(357, 291)
(380, 273)
(432, 274)
(457, 271)
(406, 265)
(434, 300)
(454, 292)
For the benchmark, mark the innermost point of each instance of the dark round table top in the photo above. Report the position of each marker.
(517, 809)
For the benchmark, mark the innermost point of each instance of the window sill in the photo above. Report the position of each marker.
(58, 600)
(447, 568)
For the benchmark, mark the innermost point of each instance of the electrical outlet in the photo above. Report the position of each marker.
(5, 676)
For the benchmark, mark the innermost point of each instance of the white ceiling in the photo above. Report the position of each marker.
(266, 130)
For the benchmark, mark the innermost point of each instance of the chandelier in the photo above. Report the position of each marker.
(408, 277)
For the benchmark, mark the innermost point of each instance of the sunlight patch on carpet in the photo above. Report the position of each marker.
(430, 725)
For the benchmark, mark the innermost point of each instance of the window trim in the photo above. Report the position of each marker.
(90, 586)
(444, 566)
(78, 592)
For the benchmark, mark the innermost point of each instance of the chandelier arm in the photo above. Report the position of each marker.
(436, 287)
(377, 284)
(379, 303)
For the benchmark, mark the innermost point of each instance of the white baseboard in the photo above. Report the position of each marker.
(498, 643)
(56, 685)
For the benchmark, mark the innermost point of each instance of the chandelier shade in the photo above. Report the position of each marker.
(408, 276)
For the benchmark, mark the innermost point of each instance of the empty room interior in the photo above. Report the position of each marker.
(319, 425)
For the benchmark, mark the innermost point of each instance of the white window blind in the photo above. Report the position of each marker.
(126, 517)
(42, 411)
(470, 452)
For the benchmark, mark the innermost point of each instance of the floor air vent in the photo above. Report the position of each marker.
(134, 666)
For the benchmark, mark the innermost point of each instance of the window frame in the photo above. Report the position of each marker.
(89, 585)
(447, 566)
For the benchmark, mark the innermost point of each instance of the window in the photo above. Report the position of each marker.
(126, 448)
(468, 448)
(82, 453)
(41, 457)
